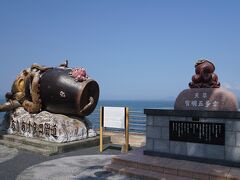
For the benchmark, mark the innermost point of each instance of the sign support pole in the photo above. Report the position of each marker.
(101, 130)
(126, 129)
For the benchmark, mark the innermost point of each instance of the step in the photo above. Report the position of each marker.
(38, 150)
(180, 168)
(142, 174)
(52, 148)
(174, 167)
(29, 141)
(84, 143)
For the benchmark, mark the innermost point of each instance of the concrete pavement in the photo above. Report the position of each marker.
(73, 167)
(7, 153)
(86, 163)
(80, 164)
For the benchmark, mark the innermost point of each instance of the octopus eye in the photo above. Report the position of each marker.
(197, 71)
(206, 70)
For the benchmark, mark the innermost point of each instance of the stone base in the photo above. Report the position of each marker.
(48, 148)
(49, 127)
(160, 138)
(148, 167)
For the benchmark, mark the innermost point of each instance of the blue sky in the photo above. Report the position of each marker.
(135, 49)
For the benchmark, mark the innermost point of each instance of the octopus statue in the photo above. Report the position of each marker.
(205, 76)
(60, 89)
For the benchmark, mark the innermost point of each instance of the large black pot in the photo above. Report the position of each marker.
(60, 93)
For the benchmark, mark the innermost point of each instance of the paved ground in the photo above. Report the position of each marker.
(7, 153)
(80, 164)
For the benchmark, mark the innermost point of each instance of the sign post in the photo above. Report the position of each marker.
(101, 129)
(126, 130)
(114, 117)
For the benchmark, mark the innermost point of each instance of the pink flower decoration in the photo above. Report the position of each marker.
(79, 74)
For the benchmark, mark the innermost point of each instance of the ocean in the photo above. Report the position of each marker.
(136, 105)
(137, 119)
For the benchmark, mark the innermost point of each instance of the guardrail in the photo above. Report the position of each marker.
(137, 120)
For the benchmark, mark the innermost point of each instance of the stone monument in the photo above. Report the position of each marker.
(51, 103)
(203, 125)
(199, 139)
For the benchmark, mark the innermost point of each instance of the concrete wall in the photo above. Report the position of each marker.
(157, 138)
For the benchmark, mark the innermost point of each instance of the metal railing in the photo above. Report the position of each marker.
(137, 120)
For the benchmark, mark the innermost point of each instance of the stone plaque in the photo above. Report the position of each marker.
(210, 99)
(197, 132)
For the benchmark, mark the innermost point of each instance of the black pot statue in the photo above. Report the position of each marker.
(60, 90)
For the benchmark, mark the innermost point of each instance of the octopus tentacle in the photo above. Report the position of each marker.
(40, 67)
(9, 105)
(91, 102)
(33, 106)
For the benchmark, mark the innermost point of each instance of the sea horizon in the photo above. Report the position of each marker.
(133, 105)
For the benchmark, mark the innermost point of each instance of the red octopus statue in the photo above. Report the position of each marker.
(205, 76)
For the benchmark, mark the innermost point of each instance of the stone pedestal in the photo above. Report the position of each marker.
(217, 140)
(48, 126)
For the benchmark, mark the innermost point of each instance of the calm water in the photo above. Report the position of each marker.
(137, 118)
(134, 106)
(137, 105)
